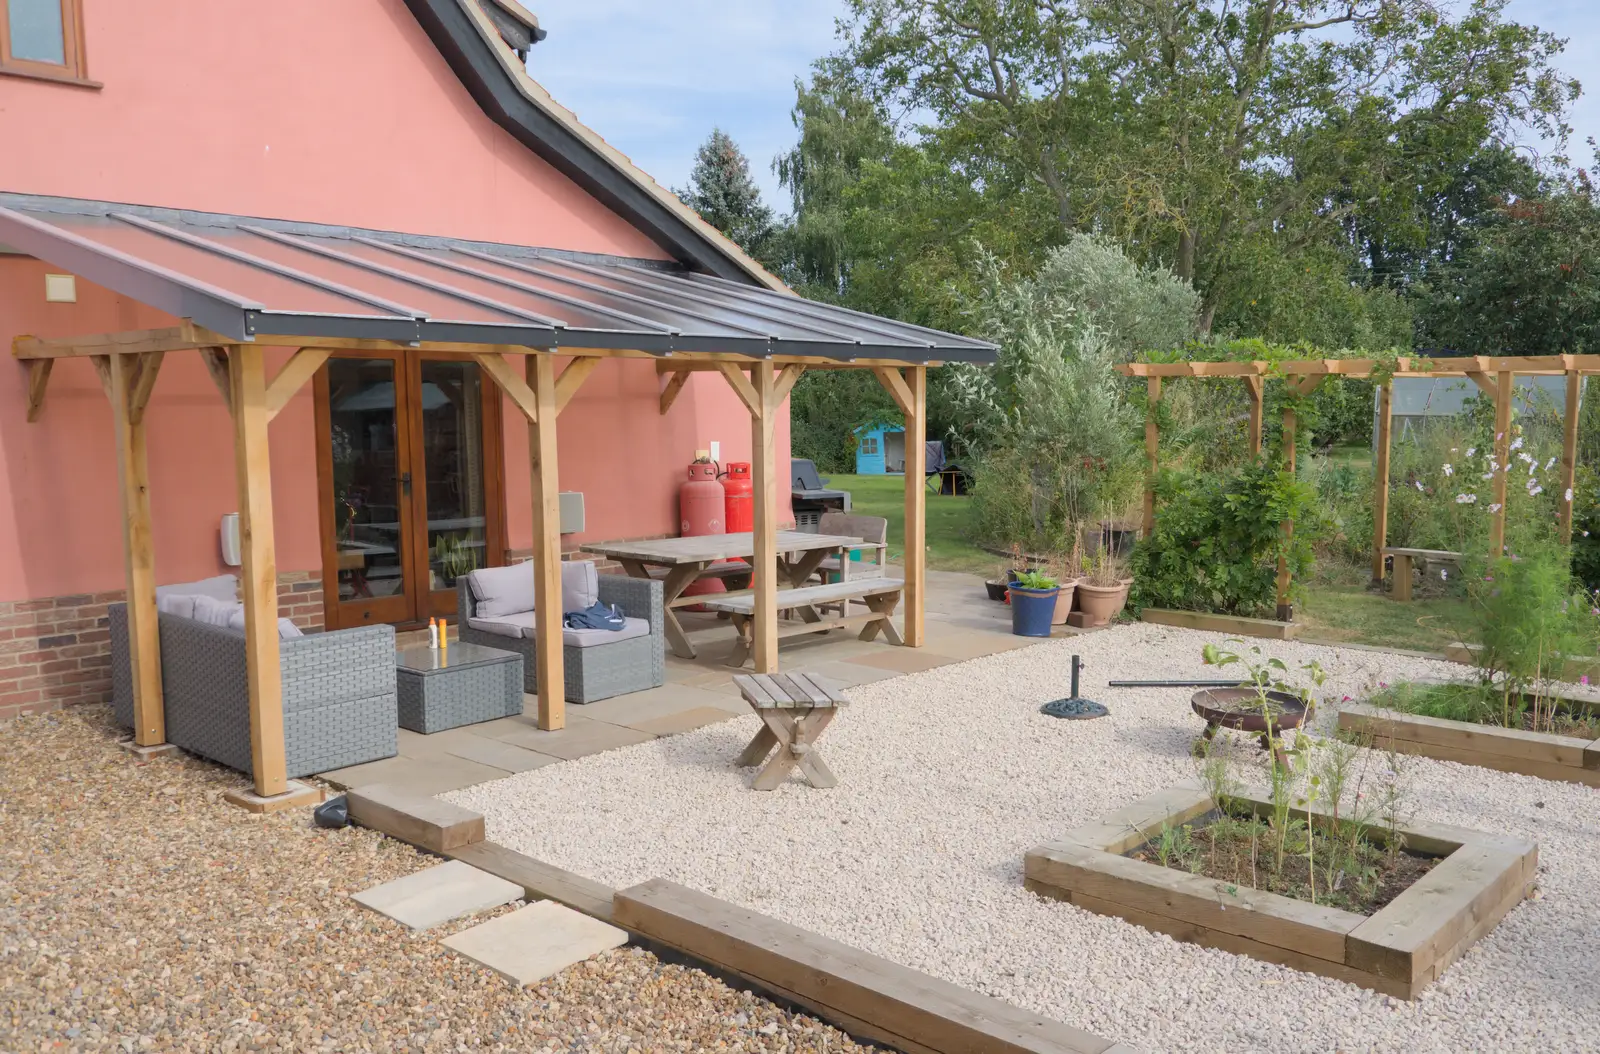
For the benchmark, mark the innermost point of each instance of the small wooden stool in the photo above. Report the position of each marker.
(794, 709)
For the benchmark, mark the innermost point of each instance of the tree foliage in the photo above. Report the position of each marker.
(725, 195)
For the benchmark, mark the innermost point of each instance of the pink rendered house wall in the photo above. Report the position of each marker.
(296, 109)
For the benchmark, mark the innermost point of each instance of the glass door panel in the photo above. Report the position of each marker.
(454, 473)
(371, 482)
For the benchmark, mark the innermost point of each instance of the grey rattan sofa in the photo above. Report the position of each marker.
(339, 702)
(597, 668)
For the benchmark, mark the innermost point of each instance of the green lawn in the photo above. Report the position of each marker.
(948, 547)
(1338, 610)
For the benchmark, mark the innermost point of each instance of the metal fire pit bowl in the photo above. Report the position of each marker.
(1240, 710)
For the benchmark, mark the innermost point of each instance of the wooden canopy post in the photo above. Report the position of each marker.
(916, 512)
(248, 397)
(132, 378)
(539, 372)
(1256, 388)
(1152, 443)
(1569, 453)
(1502, 455)
(1380, 486)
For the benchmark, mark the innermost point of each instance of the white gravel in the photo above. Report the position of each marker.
(948, 777)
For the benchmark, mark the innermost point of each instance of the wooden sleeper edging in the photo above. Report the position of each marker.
(1552, 757)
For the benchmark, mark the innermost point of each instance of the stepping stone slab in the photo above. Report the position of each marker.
(438, 894)
(535, 942)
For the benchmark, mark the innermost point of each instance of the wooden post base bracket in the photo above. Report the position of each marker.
(295, 796)
(156, 750)
(1399, 950)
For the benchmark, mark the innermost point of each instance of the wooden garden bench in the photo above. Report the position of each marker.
(794, 709)
(881, 595)
(1404, 558)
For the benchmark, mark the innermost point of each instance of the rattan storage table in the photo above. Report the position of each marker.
(463, 684)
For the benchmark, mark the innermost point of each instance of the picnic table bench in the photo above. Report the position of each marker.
(881, 595)
(794, 709)
(1405, 557)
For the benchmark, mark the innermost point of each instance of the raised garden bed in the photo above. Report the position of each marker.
(1572, 670)
(1233, 625)
(1400, 949)
(1542, 754)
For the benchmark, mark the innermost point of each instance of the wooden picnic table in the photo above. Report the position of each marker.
(687, 559)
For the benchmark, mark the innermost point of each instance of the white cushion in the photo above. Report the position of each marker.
(214, 612)
(221, 587)
(180, 604)
(501, 591)
(287, 630)
(580, 586)
(589, 638)
(520, 624)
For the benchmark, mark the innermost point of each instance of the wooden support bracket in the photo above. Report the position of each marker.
(1484, 381)
(295, 373)
(675, 383)
(510, 383)
(102, 369)
(38, 381)
(786, 382)
(894, 383)
(743, 388)
(216, 360)
(144, 383)
(572, 379)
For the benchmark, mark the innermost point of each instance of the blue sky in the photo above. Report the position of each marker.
(654, 78)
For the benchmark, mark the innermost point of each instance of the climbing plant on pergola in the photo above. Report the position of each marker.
(1494, 375)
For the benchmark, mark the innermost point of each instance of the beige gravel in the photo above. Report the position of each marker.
(139, 912)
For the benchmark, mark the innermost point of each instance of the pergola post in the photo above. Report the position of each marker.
(764, 469)
(131, 380)
(248, 385)
(1380, 486)
(539, 371)
(1502, 455)
(1285, 612)
(1152, 442)
(916, 555)
(1569, 453)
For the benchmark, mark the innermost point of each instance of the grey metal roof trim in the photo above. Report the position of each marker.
(471, 55)
(246, 278)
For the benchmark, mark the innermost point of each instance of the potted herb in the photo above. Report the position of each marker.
(1033, 604)
(1103, 591)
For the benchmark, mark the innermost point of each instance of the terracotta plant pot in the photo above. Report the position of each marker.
(1064, 602)
(1101, 604)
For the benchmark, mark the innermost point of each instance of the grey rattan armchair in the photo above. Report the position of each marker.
(599, 671)
(339, 703)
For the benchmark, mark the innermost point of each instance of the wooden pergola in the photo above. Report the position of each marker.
(238, 285)
(1495, 376)
(129, 363)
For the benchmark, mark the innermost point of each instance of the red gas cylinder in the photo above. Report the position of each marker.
(740, 494)
(701, 505)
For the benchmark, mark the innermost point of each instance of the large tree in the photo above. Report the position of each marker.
(722, 191)
(1193, 129)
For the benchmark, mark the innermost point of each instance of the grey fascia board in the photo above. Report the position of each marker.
(342, 327)
(486, 80)
(216, 309)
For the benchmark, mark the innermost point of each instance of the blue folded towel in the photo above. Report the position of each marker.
(596, 616)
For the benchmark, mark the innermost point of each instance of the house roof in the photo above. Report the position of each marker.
(247, 278)
(499, 82)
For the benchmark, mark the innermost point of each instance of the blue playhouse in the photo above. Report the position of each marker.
(880, 450)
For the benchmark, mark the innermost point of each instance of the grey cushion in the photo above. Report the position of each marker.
(221, 587)
(502, 591)
(179, 604)
(214, 612)
(519, 624)
(287, 630)
(589, 638)
(580, 585)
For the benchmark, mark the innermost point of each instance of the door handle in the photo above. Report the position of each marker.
(405, 483)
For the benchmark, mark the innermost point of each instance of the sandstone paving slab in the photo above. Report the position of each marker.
(535, 942)
(435, 895)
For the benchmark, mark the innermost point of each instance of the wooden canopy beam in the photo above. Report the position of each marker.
(184, 336)
(675, 383)
(1406, 366)
(300, 368)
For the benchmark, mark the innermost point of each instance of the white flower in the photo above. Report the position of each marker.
(1495, 507)
(1418, 484)
(1516, 444)
(1466, 499)
(1443, 574)
(1453, 450)
(1472, 451)
(1547, 464)
(1568, 495)
(1488, 475)
(1448, 471)
(1524, 458)
(1535, 489)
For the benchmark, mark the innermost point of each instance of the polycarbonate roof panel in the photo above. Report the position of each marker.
(248, 278)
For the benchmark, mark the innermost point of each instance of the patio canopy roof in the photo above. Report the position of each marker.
(245, 279)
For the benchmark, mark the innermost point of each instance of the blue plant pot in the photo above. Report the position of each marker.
(1032, 610)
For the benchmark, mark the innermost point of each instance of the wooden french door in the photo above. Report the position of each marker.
(409, 480)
